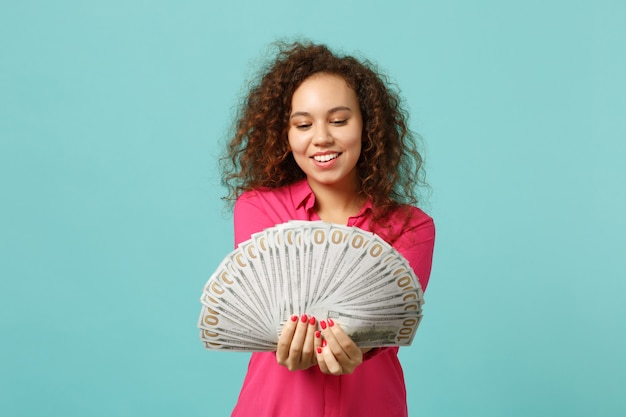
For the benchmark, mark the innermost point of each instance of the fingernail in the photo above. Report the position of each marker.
(294, 318)
(318, 334)
(331, 323)
(324, 343)
(323, 324)
(319, 350)
(304, 318)
(312, 320)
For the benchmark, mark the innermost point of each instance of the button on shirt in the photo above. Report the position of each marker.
(376, 387)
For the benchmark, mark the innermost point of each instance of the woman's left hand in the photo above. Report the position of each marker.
(336, 353)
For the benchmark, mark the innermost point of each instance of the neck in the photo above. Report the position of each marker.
(335, 204)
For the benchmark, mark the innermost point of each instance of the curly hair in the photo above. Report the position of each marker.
(258, 154)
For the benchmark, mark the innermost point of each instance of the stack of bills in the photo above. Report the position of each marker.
(315, 268)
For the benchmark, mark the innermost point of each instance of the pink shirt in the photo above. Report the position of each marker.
(376, 388)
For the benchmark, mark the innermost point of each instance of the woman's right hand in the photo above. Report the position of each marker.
(296, 350)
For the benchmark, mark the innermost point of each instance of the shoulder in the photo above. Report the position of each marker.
(411, 222)
(407, 224)
(253, 201)
(288, 195)
(413, 215)
(266, 207)
(281, 195)
(256, 210)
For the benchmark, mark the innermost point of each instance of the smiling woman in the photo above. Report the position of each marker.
(323, 137)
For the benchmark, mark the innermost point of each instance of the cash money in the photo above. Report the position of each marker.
(316, 268)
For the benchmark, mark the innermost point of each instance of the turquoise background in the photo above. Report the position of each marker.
(112, 114)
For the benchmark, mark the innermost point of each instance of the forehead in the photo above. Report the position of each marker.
(324, 89)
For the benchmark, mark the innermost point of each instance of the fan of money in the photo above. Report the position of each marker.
(321, 269)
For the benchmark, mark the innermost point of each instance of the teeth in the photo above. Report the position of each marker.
(325, 158)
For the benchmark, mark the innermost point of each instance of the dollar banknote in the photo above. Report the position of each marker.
(321, 269)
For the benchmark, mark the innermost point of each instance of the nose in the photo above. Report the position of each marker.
(322, 136)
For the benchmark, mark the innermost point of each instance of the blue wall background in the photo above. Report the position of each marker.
(111, 117)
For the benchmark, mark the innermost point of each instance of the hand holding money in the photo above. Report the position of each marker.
(338, 354)
(320, 269)
(296, 349)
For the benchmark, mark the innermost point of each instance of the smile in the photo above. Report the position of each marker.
(325, 158)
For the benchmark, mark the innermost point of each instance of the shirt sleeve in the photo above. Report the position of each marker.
(416, 244)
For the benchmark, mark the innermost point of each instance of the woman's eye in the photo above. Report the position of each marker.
(338, 122)
(303, 126)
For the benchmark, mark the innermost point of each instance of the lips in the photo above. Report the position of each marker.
(326, 157)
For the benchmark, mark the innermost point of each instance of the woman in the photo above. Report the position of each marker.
(323, 137)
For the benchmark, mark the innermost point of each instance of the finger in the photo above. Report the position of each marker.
(308, 348)
(321, 363)
(331, 364)
(284, 341)
(341, 344)
(317, 343)
(345, 352)
(297, 343)
(330, 337)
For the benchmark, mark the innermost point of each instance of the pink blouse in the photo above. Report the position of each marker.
(376, 388)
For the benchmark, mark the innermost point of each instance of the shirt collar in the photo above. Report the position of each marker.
(303, 197)
(365, 208)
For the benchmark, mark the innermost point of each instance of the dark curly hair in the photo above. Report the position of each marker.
(258, 154)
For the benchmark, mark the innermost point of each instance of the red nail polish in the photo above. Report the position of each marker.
(304, 318)
(312, 320)
(318, 334)
(323, 324)
(331, 323)
(294, 318)
(324, 343)
(319, 350)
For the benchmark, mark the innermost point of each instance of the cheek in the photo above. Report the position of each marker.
(290, 140)
(355, 141)
(353, 136)
(296, 142)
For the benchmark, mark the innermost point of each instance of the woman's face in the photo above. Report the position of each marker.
(325, 131)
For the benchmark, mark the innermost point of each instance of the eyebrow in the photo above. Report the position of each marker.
(331, 111)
